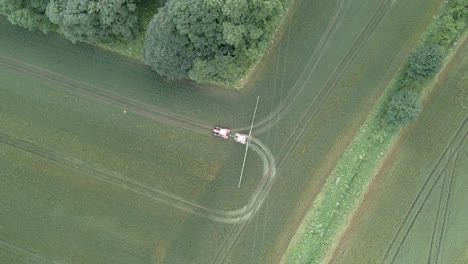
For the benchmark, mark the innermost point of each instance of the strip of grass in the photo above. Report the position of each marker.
(345, 188)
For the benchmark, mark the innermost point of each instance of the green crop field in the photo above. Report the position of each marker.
(415, 211)
(104, 161)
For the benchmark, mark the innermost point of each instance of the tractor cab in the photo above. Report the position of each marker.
(223, 133)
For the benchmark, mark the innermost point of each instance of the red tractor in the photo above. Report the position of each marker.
(221, 132)
(225, 133)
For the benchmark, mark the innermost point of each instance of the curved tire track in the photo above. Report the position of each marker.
(159, 195)
(375, 20)
(310, 68)
(263, 189)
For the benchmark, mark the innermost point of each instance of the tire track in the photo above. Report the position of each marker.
(99, 94)
(336, 75)
(444, 199)
(330, 85)
(322, 45)
(237, 229)
(419, 209)
(95, 172)
(64, 80)
(241, 214)
(436, 222)
(25, 254)
(159, 195)
(110, 101)
(381, 12)
(267, 187)
(331, 27)
(446, 209)
(261, 192)
(421, 202)
(455, 143)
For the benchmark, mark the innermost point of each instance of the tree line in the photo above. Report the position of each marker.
(78, 20)
(207, 41)
(402, 106)
(210, 41)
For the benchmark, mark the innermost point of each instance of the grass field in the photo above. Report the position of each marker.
(80, 187)
(72, 167)
(414, 212)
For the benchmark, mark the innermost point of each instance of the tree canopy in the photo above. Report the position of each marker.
(210, 40)
(446, 30)
(401, 108)
(29, 14)
(425, 62)
(94, 20)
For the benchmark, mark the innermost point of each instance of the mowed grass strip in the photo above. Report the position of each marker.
(344, 189)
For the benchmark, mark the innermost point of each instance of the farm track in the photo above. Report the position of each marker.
(25, 254)
(165, 117)
(325, 91)
(436, 222)
(310, 68)
(424, 192)
(443, 226)
(84, 89)
(107, 97)
(262, 190)
(159, 195)
(316, 104)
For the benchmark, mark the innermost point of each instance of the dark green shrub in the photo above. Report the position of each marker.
(400, 109)
(424, 62)
(168, 53)
(444, 32)
(210, 41)
(29, 14)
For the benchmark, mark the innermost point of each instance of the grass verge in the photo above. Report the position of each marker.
(345, 188)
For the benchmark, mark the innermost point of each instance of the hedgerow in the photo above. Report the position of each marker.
(401, 105)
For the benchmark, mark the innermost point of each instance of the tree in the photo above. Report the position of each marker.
(424, 62)
(94, 20)
(29, 14)
(169, 53)
(445, 31)
(210, 40)
(401, 108)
